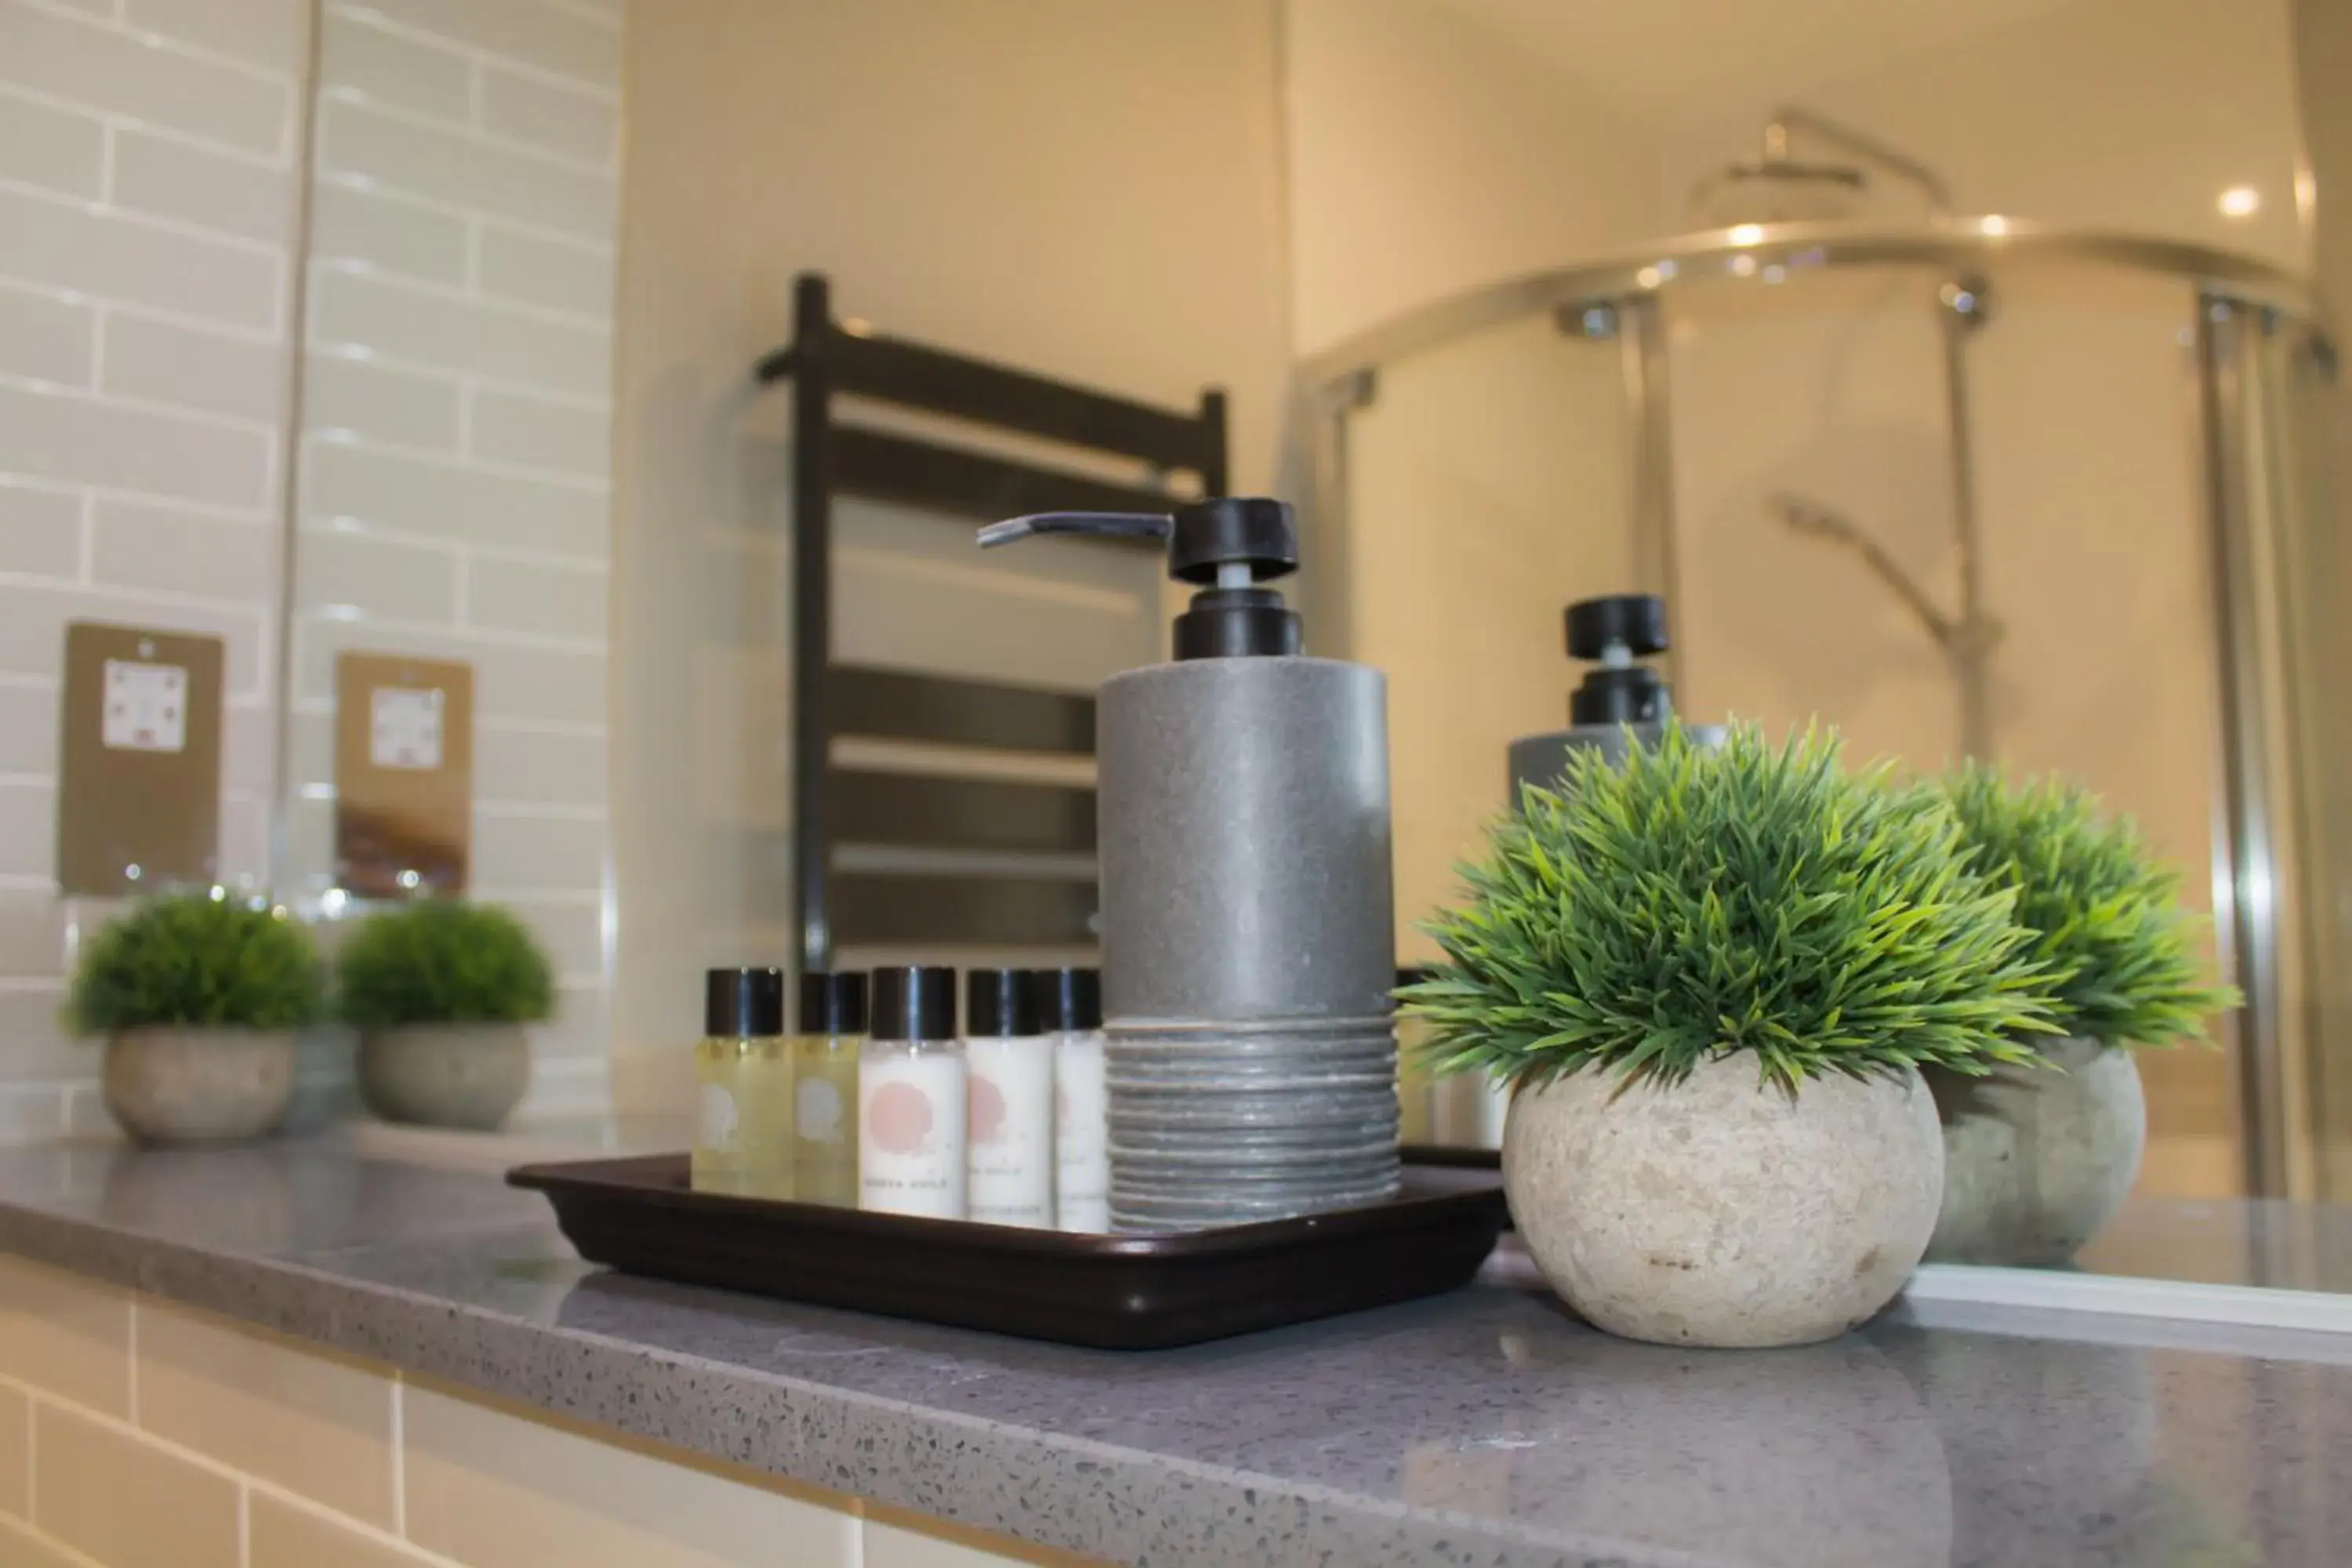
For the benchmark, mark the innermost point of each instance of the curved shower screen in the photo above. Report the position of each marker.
(2021, 561)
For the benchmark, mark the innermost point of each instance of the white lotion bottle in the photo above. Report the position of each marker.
(1009, 1146)
(1069, 1009)
(911, 1098)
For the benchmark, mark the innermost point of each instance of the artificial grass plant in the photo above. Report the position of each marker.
(2103, 915)
(198, 960)
(1649, 914)
(442, 962)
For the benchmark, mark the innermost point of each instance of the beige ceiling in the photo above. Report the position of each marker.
(1665, 59)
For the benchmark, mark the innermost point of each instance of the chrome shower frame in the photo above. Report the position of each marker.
(2255, 914)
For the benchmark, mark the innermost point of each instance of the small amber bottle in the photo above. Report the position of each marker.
(743, 1091)
(824, 1087)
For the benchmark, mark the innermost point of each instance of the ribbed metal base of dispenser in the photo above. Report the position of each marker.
(1229, 1123)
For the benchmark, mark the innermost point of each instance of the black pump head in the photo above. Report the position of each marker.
(1226, 544)
(1208, 536)
(1638, 620)
(1615, 630)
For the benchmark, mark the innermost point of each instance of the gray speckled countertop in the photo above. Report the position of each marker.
(1484, 1428)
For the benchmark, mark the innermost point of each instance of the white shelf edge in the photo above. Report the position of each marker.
(1935, 1285)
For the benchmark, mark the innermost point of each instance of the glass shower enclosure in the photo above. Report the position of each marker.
(1975, 488)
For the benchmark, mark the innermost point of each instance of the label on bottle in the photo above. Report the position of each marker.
(1081, 1134)
(717, 1162)
(910, 1133)
(718, 1120)
(824, 1121)
(1009, 1130)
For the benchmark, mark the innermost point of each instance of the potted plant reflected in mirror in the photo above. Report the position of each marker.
(2038, 1155)
(440, 992)
(198, 995)
(1710, 978)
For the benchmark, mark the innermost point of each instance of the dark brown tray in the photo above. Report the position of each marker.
(1119, 1292)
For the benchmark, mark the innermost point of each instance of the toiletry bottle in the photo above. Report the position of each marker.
(743, 1029)
(824, 1087)
(1242, 797)
(1069, 1009)
(1621, 701)
(1009, 1068)
(1417, 1089)
(910, 1097)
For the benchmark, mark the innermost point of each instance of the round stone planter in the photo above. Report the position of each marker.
(1718, 1212)
(2037, 1159)
(166, 1085)
(468, 1076)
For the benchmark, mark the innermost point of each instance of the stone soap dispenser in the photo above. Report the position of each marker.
(1247, 925)
(1620, 700)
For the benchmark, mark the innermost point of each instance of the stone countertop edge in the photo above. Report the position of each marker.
(1074, 1494)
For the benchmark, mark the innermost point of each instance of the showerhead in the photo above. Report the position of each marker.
(1780, 190)
(1778, 187)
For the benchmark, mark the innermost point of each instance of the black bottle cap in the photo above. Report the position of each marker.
(1237, 623)
(737, 1003)
(998, 1002)
(1638, 620)
(1067, 999)
(913, 1002)
(1632, 694)
(832, 1003)
(1231, 530)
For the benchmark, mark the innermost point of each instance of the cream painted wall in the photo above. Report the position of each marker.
(1486, 490)
(2131, 115)
(1430, 153)
(1092, 192)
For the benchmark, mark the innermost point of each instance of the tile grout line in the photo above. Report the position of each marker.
(212, 1465)
(116, 22)
(82, 108)
(136, 218)
(138, 310)
(398, 195)
(483, 55)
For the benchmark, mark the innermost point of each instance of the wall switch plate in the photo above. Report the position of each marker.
(404, 775)
(146, 707)
(140, 758)
(405, 728)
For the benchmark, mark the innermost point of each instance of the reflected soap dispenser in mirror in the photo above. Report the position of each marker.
(1247, 907)
(1621, 701)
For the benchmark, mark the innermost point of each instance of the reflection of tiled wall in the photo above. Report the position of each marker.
(455, 440)
(134, 1434)
(147, 174)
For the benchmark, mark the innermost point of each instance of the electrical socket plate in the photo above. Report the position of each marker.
(139, 782)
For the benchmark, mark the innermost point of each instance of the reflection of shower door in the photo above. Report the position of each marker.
(2151, 551)
(2093, 559)
(2267, 397)
(1488, 486)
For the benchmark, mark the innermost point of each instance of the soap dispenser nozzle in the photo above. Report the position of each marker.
(1227, 546)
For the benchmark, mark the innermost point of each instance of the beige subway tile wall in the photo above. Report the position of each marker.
(455, 488)
(149, 162)
(135, 1432)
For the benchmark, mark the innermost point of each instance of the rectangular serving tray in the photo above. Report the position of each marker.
(1115, 1292)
